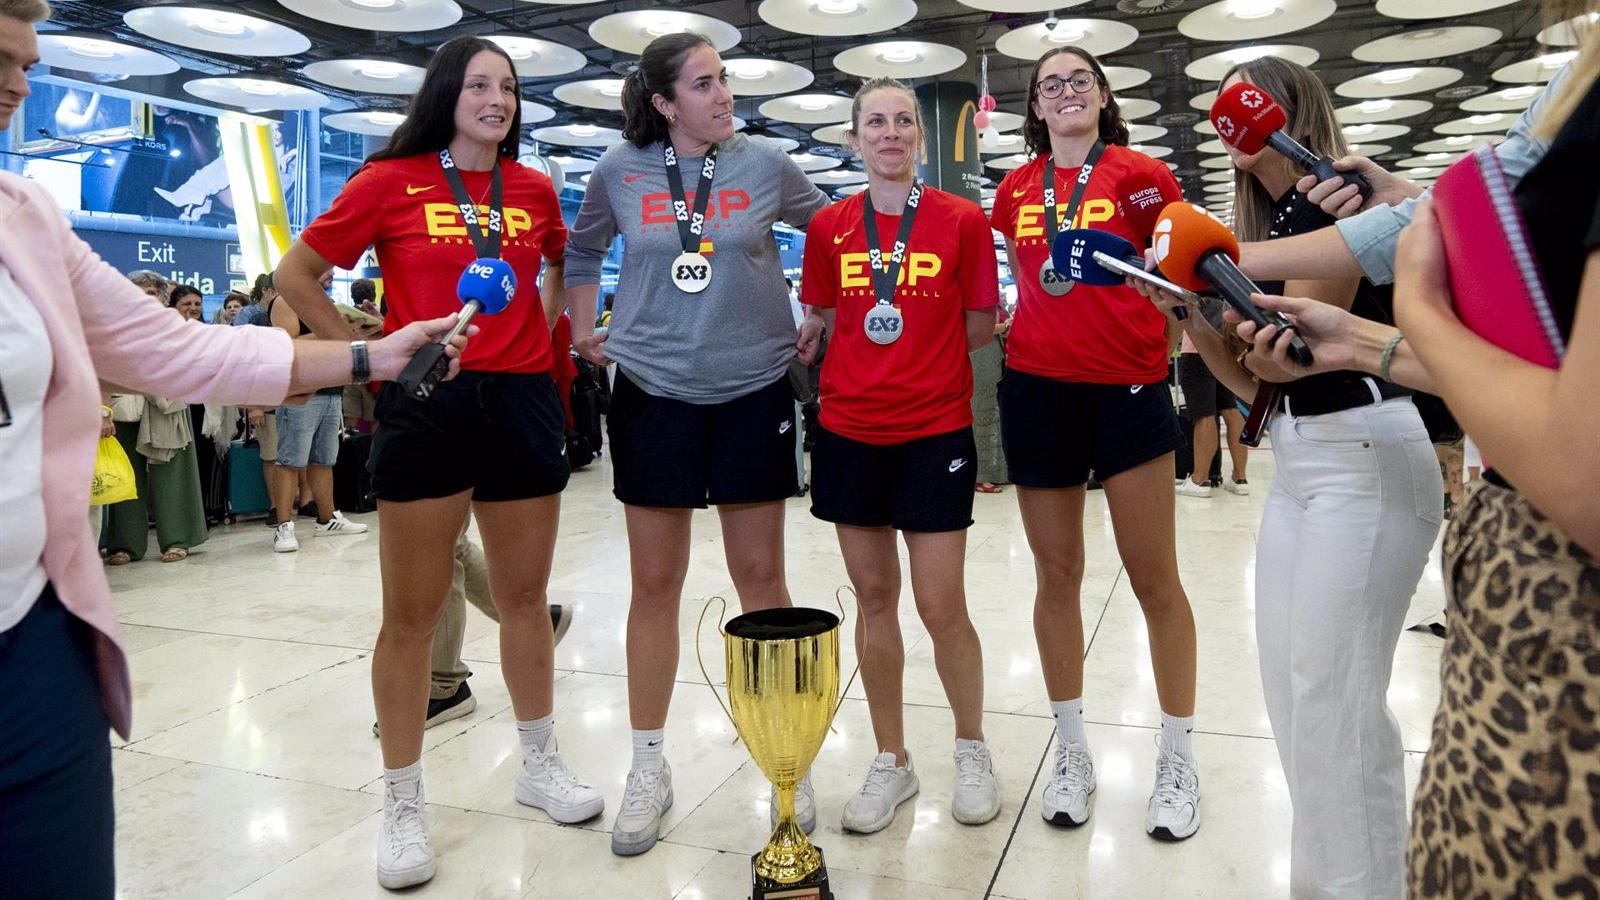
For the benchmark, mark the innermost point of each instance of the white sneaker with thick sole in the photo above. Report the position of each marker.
(337, 524)
(1240, 486)
(1174, 811)
(805, 805)
(885, 788)
(546, 783)
(645, 799)
(283, 540)
(1066, 796)
(977, 796)
(1189, 489)
(405, 857)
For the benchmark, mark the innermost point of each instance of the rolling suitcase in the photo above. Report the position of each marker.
(247, 490)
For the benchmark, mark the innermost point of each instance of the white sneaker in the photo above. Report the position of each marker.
(1174, 812)
(886, 787)
(338, 524)
(283, 538)
(1066, 797)
(645, 799)
(546, 783)
(805, 805)
(404, 856)
(1189, 489)
(1238, 486)
(977, 796)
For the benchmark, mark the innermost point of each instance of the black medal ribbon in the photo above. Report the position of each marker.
(690, 226)
(883, 281)
(485, 236)
(1084, 174)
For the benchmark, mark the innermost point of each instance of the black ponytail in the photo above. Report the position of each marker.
(659, 65)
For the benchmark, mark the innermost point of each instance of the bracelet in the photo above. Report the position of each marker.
(105, 412)
(360, 367)
(1388, 355)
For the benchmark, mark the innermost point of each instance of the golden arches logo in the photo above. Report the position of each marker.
(968, 110)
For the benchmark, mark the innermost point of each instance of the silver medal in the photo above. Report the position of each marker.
(1054, 283)
(691, 272)
(884, 324)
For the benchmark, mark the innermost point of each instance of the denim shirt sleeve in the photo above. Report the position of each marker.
(1372, 235)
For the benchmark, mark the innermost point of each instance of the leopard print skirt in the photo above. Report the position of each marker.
(1509, 801)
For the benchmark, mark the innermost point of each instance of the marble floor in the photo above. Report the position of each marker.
(253, 771)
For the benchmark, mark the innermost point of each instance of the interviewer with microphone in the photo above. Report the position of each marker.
(1084, 391)
(455, 219)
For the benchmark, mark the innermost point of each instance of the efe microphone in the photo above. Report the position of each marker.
(486, 286)
(1198, 252)
(1073, 254)
(1247, 119)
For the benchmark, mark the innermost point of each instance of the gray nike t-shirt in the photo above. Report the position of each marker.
(736, 336)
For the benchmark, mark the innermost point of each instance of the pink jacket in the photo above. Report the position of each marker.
(102, 327)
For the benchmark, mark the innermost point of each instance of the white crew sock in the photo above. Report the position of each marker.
(1069, 721)
(647, 748)
(536, 734)
(412, 772)
(1176, 735)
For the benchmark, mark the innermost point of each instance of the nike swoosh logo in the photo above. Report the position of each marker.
(839, 239)
(1136, 389)
(783, 428)
(630, 179)
(1017, 195)
(956, 464)
(412, 189)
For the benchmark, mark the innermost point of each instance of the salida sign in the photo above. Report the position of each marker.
(209, 265)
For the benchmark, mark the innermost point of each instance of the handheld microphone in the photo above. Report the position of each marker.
(1198, 252)
(487, 286)
(1082, 254)
(1247, 119)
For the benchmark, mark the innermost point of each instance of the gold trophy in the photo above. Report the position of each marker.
(783, 686)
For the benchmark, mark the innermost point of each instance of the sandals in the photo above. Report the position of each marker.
(119, 558)
(987, 487)
(176, 554)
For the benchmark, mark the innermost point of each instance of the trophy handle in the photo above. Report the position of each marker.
(861, 623)
(699, 627)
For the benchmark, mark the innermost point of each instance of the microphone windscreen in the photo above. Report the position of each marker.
(1140, 198)
(1072, 254)
(1244, 115)
(491, 282)
(1184, 233)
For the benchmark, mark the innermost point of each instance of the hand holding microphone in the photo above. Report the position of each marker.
(1103, 259)
(487, 286)
(1247, 120)
(1199, 253)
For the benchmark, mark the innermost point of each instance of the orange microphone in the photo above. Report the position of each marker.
(1198, 252)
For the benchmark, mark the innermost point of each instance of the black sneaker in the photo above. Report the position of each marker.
(459, 704)
(560, 621)
(309, 511)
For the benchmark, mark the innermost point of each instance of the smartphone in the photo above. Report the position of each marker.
(1108, 261)
(1266, 404)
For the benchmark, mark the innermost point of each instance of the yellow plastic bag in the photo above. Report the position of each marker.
(113, 475)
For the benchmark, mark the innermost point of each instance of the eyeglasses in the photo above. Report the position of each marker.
(1082, 82)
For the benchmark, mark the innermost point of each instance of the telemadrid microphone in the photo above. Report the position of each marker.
(1247, 119)
(487, 287)
(1072, 253)
(1198, 252)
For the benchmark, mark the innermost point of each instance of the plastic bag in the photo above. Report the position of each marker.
(113, 475)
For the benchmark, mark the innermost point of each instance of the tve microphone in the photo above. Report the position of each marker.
(486, 286)
(1198, 252)
(1247, 119)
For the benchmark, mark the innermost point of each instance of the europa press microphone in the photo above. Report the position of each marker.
(486, 286)
(1247, 119)
(1200, 253)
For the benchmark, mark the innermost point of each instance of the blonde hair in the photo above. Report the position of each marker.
(1585, 69)
(27, 11)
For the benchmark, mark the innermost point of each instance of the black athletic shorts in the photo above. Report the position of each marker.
(920, 485)
(1055, 433)
(673, 453)
(1203, 394)
(500, 435)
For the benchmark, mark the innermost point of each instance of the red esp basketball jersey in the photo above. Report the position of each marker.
(404, 208)
(920, 385)
(1101, 335)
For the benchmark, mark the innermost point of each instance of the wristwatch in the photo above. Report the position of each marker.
(360, 365)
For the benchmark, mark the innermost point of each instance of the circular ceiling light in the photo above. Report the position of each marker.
(1135, 107)
(1382, 110)
(631, 32)
(1098, 36)
(807, 109)
(837, 18)
(1247, 20)
(784, 144)
(1427, 43)
(1566, 34)
(1535, 71)
(1369, 150)
(216, 31)
(1217, 177)
(1219, 188)
(1204, 126)
(1213, 67)
(101, 56)
(1436, 9)
(1140, 134)
(1004, 121)
(812, 162)
(1369, 131)
(1203, 101)
(1125, 77)
(1509, 99)
(255, 93)
(1216, 162)
(1007, 163)
(594, 93)
(380, 15)
(749, 77)
(1214, 145)
(1429, 160)
(1021, 6)
(367, 76)
(1481, 123)
(538, 58)
(1458, 143)
(580, 135)
(899, 59)
(1002, 143)
(1151, 150)
(1398, 82)
(533, 113)
(832, 134)
(376, 122)
(834, 178)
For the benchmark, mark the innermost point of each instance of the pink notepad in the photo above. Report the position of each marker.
(1494, 275)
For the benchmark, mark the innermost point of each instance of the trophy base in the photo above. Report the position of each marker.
(813, 887)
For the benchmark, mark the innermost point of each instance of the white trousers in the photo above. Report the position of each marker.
(1349, 522)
